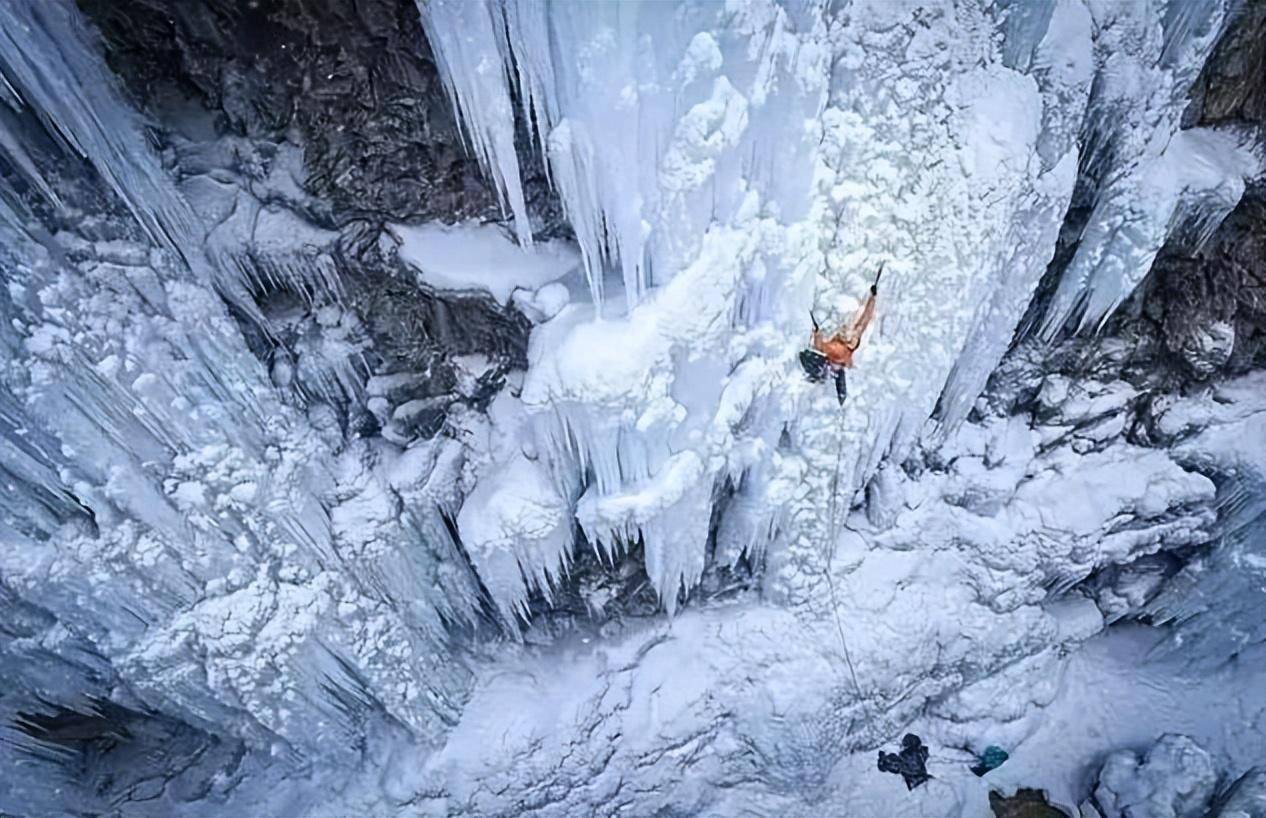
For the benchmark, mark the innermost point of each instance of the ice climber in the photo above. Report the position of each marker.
(834, 354)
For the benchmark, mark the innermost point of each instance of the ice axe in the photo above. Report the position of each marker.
(814, 320)
(874, 288)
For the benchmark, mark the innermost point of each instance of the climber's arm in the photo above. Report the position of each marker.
(852, 336)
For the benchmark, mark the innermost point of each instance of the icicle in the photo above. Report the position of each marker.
(1134, 145)
(667, 513)
(1197, 180)
(606, 116)
(11, 145)
(48, 57)
(994, 324)
(464, 38)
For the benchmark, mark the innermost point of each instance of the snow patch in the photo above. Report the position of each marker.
(479, 257)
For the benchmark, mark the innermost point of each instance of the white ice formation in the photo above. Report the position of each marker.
(232, 561)
(731, 167)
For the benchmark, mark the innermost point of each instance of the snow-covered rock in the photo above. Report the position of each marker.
(1175, 779)
(481, 258)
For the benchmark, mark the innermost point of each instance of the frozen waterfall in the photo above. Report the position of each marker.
(739, 164)
(400, 406)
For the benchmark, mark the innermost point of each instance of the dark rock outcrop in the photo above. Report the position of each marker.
(1026, 803)
(234, 86)
(352, 82)
(1206, 300)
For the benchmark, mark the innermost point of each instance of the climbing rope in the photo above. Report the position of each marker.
(830, 555)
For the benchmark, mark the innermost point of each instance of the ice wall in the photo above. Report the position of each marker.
(51, 58)
(680, 141)
(740, 164)
(200, 534)
(1150, 179)
(477, 84)
(1209, 434)
(648, 132)
(958, 629)
(217, 549)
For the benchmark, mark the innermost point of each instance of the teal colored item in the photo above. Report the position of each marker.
(991, 759)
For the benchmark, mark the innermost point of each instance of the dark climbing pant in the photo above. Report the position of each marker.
(817, 367)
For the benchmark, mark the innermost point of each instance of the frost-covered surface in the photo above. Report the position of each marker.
(1175, 778)
(730, 241)
(948, 620)
(481, 257)
(1232, 578)
(198, 534)
(231, 513)
(744, 740)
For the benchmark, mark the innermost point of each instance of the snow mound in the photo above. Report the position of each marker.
(1176, 779)
(481, 257)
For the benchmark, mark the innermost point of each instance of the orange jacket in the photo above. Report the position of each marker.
(839, 348)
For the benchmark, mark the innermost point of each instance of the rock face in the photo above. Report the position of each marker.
(349, 81)
(1206, 297)
(325, 121)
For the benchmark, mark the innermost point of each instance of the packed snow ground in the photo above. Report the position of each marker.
(710, 700)
(950, 631)
(1111, 693)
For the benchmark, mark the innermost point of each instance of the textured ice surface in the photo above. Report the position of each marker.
(950, 628)
(195, 531)
(1152, 178)
(51, 65)
(476, 82)
(954, 166)
(648, 134)
(1176, 778)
